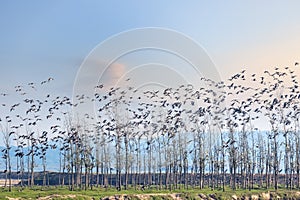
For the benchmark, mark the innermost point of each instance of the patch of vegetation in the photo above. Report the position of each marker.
(58, 193)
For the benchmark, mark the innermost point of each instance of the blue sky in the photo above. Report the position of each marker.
(40, 39)
(51, 38)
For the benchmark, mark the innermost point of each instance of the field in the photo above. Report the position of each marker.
(57, 193)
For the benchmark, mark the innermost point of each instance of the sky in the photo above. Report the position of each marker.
(52, 38)
(41, 39)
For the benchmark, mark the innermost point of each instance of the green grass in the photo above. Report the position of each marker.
(97, 193)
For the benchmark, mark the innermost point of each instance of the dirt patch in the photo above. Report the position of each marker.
(266, 196)
(50, 197)
(141, 196)
(57, 196)
(9, 198)
(254, 197)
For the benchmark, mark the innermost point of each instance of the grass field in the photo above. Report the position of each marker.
(57, 193)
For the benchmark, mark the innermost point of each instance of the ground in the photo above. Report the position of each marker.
(65, 194)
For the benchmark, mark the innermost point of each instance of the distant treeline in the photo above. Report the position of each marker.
(138, 181)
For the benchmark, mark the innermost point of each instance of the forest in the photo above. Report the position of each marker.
(205, 136)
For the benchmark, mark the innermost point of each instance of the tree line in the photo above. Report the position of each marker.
(179, 137)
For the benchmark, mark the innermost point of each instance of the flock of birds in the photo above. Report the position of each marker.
(36, 125)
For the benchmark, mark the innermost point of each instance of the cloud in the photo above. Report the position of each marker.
(115, 71)
(94, 72)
